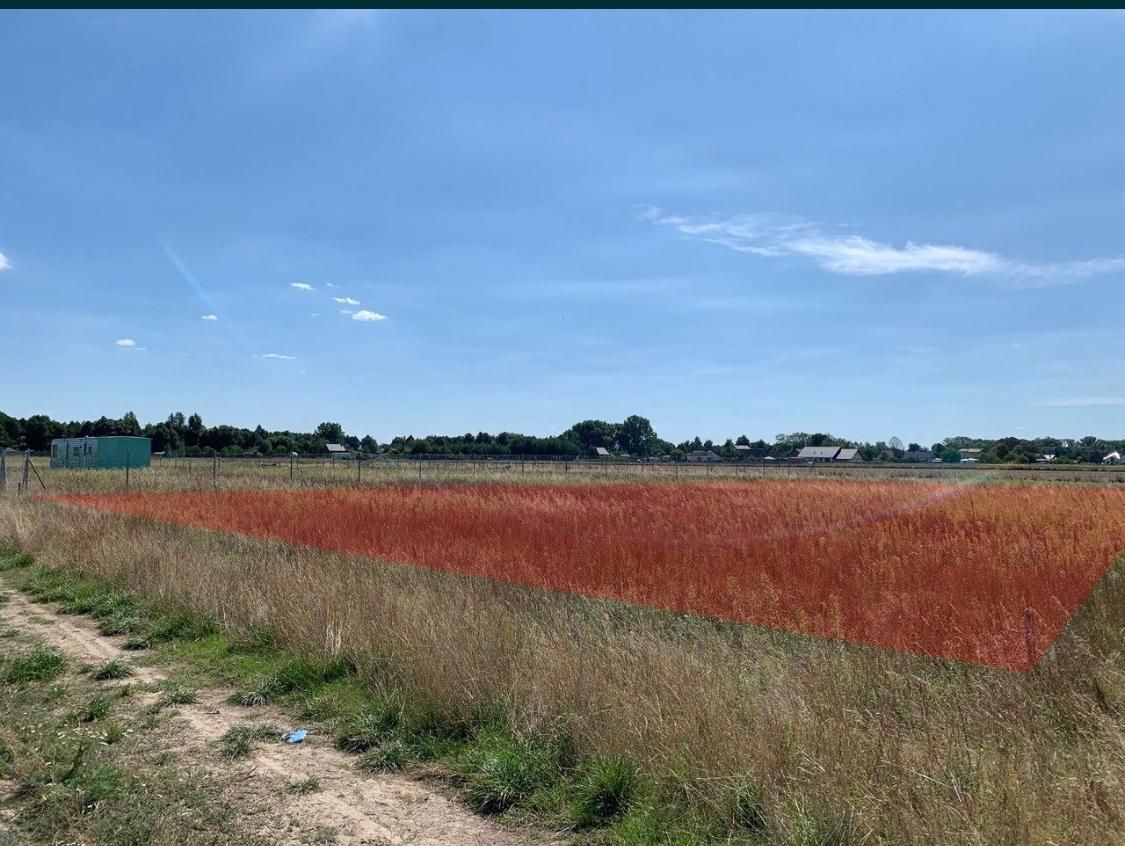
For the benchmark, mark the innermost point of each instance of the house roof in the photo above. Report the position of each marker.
(335, 448)
(847, 454)
(818, 452)
(742, 447)
(970, 451)
(601, 451)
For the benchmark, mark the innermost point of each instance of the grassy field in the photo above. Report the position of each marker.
(181, 474)
(737, 733)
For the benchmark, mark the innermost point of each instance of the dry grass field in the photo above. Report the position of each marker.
(753, 734)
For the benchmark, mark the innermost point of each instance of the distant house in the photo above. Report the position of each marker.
(1046, 458)
(743, 451)
(1113, 458)
(704, 456)
(848, 454)
(818, 453)
(920, 455)
(970, 454)
(337, 451)
(601, 452)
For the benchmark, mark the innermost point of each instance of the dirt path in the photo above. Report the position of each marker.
(359, 808)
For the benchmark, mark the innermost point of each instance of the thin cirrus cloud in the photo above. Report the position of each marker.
(346, 300)
(1081, 402)
(210, 317)
(368, 316)
(277, 356)
(128, 344)
(4, 263)
(301, 286)
(771, 235)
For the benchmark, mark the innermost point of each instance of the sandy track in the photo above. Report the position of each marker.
(362, 809)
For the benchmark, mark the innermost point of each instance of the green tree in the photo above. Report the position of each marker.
(637, 437)
(331, 433)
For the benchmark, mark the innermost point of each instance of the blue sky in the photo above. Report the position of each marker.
(872, 224)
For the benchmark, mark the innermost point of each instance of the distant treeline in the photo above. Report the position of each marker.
(634, 436)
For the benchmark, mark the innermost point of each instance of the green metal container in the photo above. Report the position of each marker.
(112, 452)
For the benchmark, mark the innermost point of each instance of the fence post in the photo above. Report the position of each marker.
(3, 472)
(26, 470)
(358, 477)
(126, 471)
(215, 471)
(419, 470)
(290, 465)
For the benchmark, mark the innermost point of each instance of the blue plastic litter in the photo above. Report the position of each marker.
(297, 735)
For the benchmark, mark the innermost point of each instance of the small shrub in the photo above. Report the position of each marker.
(113, 734)
(114, 669)
(41, 665)
(604, 791)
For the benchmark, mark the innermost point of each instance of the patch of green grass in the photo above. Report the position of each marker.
(96, 709)
(113, 734)
(823, 829)
(387, 755)
(303, 787)
(113, 669)
(7, 756)
(40, 665)
(382, 717)
(299, 675)
(176, 693)
(499, 770)
(745, 809)
(239, 740)
(12, 560)
(604, 790)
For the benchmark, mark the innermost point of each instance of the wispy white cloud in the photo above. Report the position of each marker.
(346, 311)
(4, 263)
(128, 344)
(1081, 402)
(301, 286)
(368, 316)
(346, 300)
(210, 317)
(314, 314)
(277, 356)
(773, 235)
(329, 285)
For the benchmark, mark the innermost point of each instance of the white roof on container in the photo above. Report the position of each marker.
(335, 448)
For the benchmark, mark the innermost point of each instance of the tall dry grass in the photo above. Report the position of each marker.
(909, 750)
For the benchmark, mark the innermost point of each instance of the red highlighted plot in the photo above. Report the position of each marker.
(988, 574)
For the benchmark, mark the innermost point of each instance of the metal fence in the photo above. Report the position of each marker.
(24, 473)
